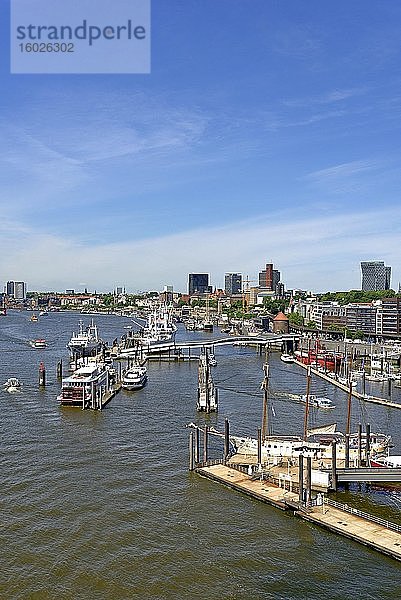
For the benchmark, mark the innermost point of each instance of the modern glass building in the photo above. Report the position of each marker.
(198, 283)
(16, 289)
(232, 283)
(375, 276)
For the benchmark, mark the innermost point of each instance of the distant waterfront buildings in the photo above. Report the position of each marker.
(375, 276)
(232, 283)
(388, 320)
(198, 283)
(373, 319)
(16, 290)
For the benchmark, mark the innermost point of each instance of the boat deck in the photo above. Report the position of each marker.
(376, 534)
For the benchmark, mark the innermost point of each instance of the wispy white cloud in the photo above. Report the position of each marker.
(61, 162)
(329, 97)
(316, 253)
(348, 169)
(275, 121)
(349, 177)
(32, 173)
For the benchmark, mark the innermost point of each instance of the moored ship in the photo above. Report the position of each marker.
(85, 386)
(329, 361)
(86, 342)
(134, 378)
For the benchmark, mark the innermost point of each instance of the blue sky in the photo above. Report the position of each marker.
(267, 131)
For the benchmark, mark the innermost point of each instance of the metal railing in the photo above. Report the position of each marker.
(359, 513)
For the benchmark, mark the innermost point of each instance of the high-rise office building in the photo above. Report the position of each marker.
(198, 283)
(266, 277)
(276, 276)
(375, 276)
(16, 290)
(232, 283)
(269, 278)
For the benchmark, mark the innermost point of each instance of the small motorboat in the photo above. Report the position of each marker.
(38, 343)
(34, 318)
(288, 358)
(135, 378)
(386, 462)
(318, 401)
(12, 385)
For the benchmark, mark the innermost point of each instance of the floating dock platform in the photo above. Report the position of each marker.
(377, 533)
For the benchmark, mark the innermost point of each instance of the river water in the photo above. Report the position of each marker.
(102, 506)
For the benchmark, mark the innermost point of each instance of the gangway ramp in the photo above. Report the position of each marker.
(368, 475)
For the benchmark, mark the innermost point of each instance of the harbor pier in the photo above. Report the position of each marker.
(379, 534)
(345, 388)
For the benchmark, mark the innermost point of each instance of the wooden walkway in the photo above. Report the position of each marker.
(368, 530)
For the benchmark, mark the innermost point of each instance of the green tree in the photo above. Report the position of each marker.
(296, 319)
(108, 299)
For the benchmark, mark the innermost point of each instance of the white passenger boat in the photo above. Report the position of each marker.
(12, 385)
(159, 327)
(85, 386)
(135, 378)
(87, 341)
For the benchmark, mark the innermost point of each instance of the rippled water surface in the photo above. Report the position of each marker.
(102, 506)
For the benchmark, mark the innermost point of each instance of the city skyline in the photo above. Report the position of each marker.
(375, 276)
(264, 130)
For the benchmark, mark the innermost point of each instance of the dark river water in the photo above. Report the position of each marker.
(102, 506)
